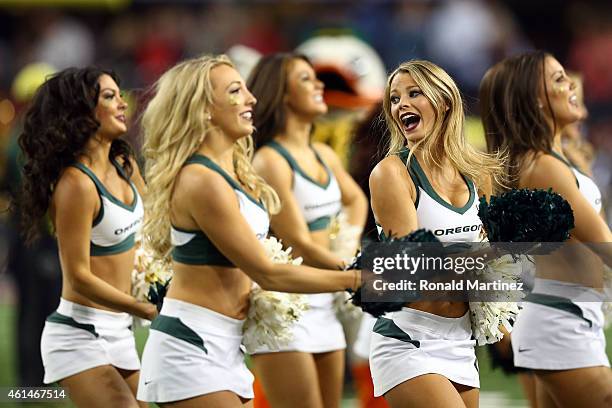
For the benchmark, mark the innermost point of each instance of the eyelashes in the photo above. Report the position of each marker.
(111, 95)
(411, 94)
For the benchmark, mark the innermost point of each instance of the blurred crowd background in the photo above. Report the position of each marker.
(140, 39)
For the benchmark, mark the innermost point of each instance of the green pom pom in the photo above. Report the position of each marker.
(527, 216)
(378, 309)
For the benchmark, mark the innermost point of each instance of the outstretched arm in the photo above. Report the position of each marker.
(212, 199)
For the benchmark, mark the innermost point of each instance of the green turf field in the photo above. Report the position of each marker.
(497, 390)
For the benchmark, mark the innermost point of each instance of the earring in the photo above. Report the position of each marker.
(540, 105)
(209, 117)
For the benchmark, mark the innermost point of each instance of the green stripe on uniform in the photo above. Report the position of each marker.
(388, 328)
(199, 250)
(557, 302)
(319, 224)
(56, 317)
(293, 164)
(173, 326)
(123, 246)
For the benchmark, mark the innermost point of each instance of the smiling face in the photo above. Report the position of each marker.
(232, 108)
(561, 93)
(304, 94)
(410, 109)
(110, 110)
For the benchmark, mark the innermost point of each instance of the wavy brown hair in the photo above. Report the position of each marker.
(513, 121)
(58, 125)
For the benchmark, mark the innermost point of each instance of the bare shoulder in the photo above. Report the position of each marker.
(324, 149)
(273, 167)
(196, 182)
(544, 171)
(269, 159)
(391, 174)
(73, 182)
(389, 169)
(326, 152)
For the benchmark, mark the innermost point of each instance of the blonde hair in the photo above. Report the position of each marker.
(174, 125)
(447, 139)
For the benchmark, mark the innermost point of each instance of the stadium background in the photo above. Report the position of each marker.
(140, 39)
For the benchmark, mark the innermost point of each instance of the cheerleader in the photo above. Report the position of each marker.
(208, 209)
(423, 355)
(527, 102)
(80, 173)
(313, 187)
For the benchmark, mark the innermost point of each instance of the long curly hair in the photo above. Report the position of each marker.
(58, 125)
(513, 122)
(174, 125)
(447, 137)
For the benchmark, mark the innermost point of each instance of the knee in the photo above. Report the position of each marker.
(124, 400)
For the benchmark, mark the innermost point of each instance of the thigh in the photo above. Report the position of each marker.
(425, 391)
(289, 379)
(101, 386)
(131, 378)
(221, 399)
(528, 384)
(589, 387)
(543, 399)
(469, 395)
(330, 370)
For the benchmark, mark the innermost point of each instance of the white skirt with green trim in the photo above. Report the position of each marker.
(560, 328)
(77, 338)
(193, 351)
(411, 343)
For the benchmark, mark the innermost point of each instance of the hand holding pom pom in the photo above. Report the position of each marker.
(379, 308)
(150, 277)
(272, 314)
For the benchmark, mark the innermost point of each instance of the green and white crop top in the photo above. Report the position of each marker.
(585, 184)
(115, 225)
(194, 247)
(447, 222)
(318, 202)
